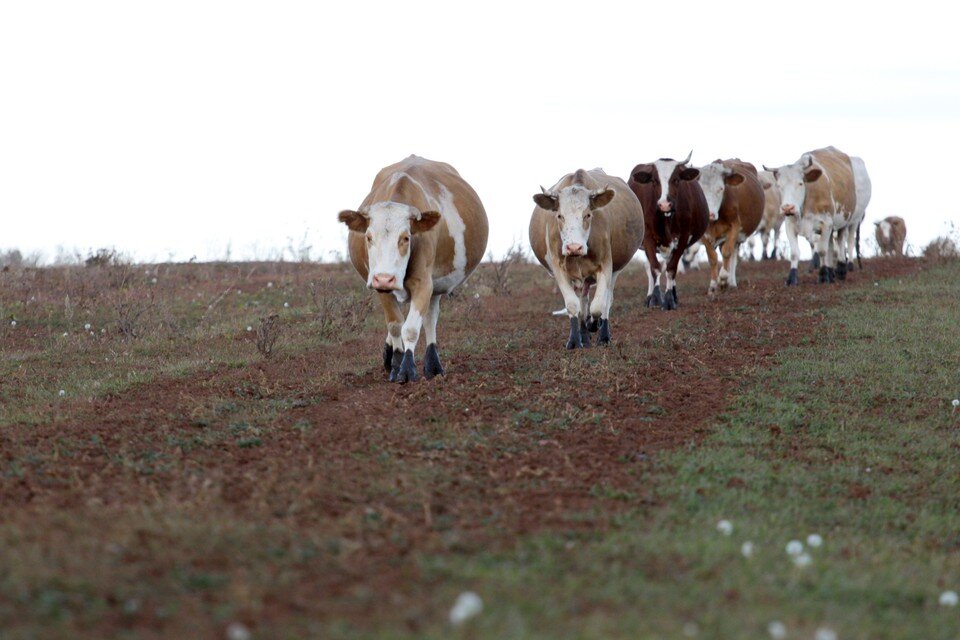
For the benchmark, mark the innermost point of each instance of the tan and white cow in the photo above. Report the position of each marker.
(891, 234)
(584, 230)
(825, 192)
(735, 204)
(772, 220)
(416, 236)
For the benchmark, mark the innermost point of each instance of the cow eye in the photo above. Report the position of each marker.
(369, 238)
(587, 215)
(560, 217)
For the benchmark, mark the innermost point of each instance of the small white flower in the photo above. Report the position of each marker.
(286, 305)
(66, 333)
(868, 469)
(802, 560)
(794, 547)
(239, 292)
(825, 633)
(249, 328)
(955, 403)
(86, 327)
(238, 631)
(62, 393)
(725, 527)
(814, 540)
(876, 284)
(13, 323)
(948, 599)
(747, 549)
(269, 285)
(104, 330)
(777, 630)
(468, 605)
(476, 296)
(153, 280)
(690, 629)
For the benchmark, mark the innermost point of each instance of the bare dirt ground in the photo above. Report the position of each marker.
(355, 477)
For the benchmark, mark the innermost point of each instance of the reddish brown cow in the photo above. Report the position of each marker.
(675, 216)
(891, 234)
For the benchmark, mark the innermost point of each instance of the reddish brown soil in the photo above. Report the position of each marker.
(520, 436)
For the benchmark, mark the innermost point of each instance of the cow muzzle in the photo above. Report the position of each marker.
(574, 249)
(789, 210)
(383, 282)
(713, 216)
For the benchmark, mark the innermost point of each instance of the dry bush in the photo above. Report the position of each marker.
(942, 249)
(338, 312)
(500, 280)
(267, 334)
(104, 258)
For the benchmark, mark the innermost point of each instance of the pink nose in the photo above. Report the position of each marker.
(664, 206)
(574, 249)
(789, 208)
(713, 215)
(383, 281)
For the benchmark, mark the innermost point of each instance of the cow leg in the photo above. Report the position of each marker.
(776, 243)
(841, 257)
(653, 280)
(421, 294)
(734, 261)
(727, 250)
(714, 265)
(431, 360)
(571, 300)
(589, 321)
(823, 252)
(794, 251)
(393, 346)
(670, 273)
(602, 299)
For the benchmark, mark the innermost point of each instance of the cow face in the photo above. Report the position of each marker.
(574, 207)
(666, 175)
(792, 182)
(388, 229)
(714, 179)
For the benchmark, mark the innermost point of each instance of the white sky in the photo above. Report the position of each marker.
(174, 129)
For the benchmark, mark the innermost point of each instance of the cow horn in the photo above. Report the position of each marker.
(689, 155)
(808, 161)
(766, 168)
(547, 193)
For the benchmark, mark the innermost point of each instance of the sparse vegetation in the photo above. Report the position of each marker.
(267, 334)
(500, 273)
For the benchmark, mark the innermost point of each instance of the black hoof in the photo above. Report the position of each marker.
(831, 274)
(841, 271)
(431, 362)
(575, 341)
(676, 298)
(764, 256)
(669, 301)
(395, 361)
(827, 275)
(585, 334)
(815, 263)
(603, 337)
(792, 279)
(654, 300)
(387, 357)
(592, 324)
(408, 368)
(849, 267)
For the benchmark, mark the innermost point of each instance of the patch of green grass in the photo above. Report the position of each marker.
(851, 436)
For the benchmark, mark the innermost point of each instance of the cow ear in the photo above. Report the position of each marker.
(426, 221)
(812, 175)
(547, 201)
(733, 179)
(643, 177)
(766, 185)
(355, 220)
(601, 198)
(690, 174)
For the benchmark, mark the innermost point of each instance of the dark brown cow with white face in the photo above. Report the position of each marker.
(417, 236)
(675, 216)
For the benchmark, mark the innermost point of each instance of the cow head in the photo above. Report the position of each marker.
(713, 179)
(792, 182)
(388, 229)
(665, 174)
(574, 207)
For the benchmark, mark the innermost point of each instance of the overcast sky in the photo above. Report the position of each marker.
(177, 129)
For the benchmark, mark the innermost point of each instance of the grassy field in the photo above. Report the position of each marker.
(184, 485)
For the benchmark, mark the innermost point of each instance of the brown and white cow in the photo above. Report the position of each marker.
(824, 192)
(675, 216)
(891, 234)
(416, 236)
(584, 230)
(772, 220)
(735, 203)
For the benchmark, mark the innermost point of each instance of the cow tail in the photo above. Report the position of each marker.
(859, 263)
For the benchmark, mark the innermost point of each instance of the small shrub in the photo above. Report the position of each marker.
(104, 258)
(338, 313)
(501, 268)
(945, 247)
(267, 334)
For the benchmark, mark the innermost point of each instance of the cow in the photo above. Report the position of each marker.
(419, 233)
(772, 221)
(735, 204)
(824, 192)
(584, 230)
(675, 216)
(891, 234)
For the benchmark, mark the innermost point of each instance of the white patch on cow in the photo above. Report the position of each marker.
(792, 188)
(457, 230)
(885, 229)
(411, 328)
(664, 171)
(711, 182)
(388, 220)
(574, 205)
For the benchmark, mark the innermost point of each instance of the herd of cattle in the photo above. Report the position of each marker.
(422, 230)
